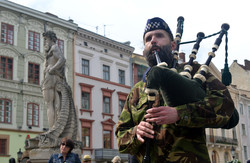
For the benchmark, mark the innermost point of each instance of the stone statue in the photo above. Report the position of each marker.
(62, 117)
(53, 75)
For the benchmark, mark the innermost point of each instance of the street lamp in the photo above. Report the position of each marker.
(19, 155)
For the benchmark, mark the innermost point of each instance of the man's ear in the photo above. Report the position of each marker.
(173, 45)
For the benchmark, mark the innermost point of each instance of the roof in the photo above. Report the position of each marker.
(246, 66)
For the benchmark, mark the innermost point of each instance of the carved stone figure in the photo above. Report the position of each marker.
(53, 75)
(57, 94)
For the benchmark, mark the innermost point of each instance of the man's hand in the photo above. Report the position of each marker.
(159, 115)
(162, 115)
(144, 129)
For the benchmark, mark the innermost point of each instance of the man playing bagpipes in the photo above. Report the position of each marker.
(176, 133)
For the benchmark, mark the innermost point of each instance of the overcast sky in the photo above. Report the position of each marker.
(124, 20)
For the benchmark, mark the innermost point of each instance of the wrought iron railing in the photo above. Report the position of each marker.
(221, 140)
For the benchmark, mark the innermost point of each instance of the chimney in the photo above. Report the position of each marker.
(247, 64)
(71, 20)
(182, 57)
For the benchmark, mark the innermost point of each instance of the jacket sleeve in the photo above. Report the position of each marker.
(50, 159)
(77, 158)
(126, 126)
(214, 111)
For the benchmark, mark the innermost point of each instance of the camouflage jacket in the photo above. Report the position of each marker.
(184, 141)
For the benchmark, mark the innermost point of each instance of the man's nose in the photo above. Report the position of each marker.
(153, 40)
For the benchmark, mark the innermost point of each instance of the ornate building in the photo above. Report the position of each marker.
(240, 91)
(226, 144)
(22, 110)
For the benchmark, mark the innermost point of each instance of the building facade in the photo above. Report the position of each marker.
(241, 92)
(102, 83)
(22, 110)
(220, 142)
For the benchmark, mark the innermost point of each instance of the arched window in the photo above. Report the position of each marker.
(214, 157)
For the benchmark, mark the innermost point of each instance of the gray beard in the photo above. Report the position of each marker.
(165, 54)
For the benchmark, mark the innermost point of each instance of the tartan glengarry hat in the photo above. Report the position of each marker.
(157, 23)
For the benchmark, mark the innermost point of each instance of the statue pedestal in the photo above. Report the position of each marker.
(43, 155)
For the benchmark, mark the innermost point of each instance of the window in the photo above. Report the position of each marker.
(86, 137)
(85, 43)
(241, 109)
(32, 115)
(243, 129)
(234, 133)
(121, 76)
(85, 100)
(5, 111)
(7, 33)
(4, 145)
(223, 134)
(140, 71)
(122, 98)
(107, 101)
(121, 105)
(106, 72)
(226, 157)
(214, 157)
(6, 67)
(106, 104)
(108, 127)
(85, 67)
(86, 133)
(107, 139)
(245, 152)
(34, 41)
(33, 73)
(211, 135)
(60, 44)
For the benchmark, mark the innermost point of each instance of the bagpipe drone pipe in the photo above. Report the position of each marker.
(179, 89)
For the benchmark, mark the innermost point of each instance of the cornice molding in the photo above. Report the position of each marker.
(39, 15)
(104, 41)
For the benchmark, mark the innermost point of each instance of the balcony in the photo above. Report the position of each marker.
(108, 154)
(221, 140)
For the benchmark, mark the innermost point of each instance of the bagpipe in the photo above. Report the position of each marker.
(182, 88)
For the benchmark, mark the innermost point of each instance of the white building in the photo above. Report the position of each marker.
(101, 84)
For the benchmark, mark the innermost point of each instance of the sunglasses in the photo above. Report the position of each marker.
(63, 144)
